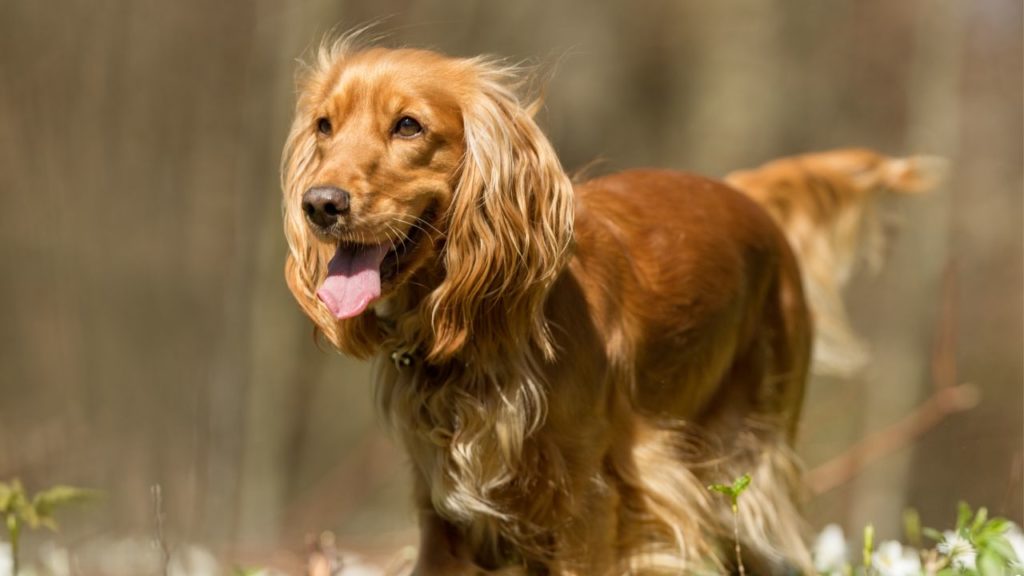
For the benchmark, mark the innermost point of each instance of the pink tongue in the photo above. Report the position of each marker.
(353, 280)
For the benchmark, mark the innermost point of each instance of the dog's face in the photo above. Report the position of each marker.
(388, 139)
(408, 169)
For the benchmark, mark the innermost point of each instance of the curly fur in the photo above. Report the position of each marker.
(567, 366)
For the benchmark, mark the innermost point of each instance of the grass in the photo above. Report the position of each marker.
(977, 545)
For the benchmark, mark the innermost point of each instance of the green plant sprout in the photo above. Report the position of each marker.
(19, 511)
(978, 545)
(733, 491)
(912, 527)
(869, 544)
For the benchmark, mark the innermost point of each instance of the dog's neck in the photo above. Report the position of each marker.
(477, 415)
(403, 336)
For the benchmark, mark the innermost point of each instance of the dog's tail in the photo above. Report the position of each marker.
(827, 203)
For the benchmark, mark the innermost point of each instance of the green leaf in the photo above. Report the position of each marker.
(912, 527)
(999, 546)
(48, 523)
(994, 527)
(869, 543)
(740, 484)
(11, 494)
(27, 513)
(721, 489)
(47, 501)
(963, 516)
(992, 565)
(18, 510)
(932, 533)
(6, 494)
(979, 520)
(733, 490)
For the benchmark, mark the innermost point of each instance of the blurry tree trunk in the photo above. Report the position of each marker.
(740, 100)
(281, 363)
(905, 327)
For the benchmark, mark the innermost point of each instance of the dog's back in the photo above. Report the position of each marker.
(697, 297)
(700, 267)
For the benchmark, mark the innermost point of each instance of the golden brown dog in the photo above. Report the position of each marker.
(567, 366)
(828, 204)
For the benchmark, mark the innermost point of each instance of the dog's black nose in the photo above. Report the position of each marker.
(323, 204)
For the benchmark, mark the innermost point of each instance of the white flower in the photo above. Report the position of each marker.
(1016, 540)
(190, 560)
(54, 560)
(830, 551)
(959, 550)
(6, 559)
(355, 567)
(892, 559)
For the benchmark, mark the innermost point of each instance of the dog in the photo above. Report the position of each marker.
(567, 365)
(829, 206)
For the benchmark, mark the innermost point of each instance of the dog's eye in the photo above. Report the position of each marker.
(407, 127)
(323, 126)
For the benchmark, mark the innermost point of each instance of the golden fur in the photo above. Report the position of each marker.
(567, 366)
(828, 203)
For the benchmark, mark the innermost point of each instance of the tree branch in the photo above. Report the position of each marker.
(943, 402)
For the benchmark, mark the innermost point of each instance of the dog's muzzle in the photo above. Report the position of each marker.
(323, 205)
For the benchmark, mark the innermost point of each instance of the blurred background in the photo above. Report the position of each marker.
(147, 336)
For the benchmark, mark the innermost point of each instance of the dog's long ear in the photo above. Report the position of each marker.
(306, 266)
(509, 227)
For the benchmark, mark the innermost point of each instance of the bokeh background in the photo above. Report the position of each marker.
(147, 337)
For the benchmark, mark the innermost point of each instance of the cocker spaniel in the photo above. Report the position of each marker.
(567, 365)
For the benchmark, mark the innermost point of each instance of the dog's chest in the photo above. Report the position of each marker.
(470, 449)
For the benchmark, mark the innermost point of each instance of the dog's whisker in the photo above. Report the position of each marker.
(415, 223)
(394, 248)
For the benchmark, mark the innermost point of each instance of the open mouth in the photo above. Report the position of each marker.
(356, 272)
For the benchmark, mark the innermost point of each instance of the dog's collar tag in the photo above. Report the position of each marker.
(402, 359)
(401, 356)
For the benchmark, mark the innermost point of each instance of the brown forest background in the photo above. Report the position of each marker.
(147, 336)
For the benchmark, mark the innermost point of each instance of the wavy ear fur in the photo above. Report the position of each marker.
(509, 229)
(307, 261)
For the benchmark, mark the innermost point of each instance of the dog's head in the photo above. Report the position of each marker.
(418, 184)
